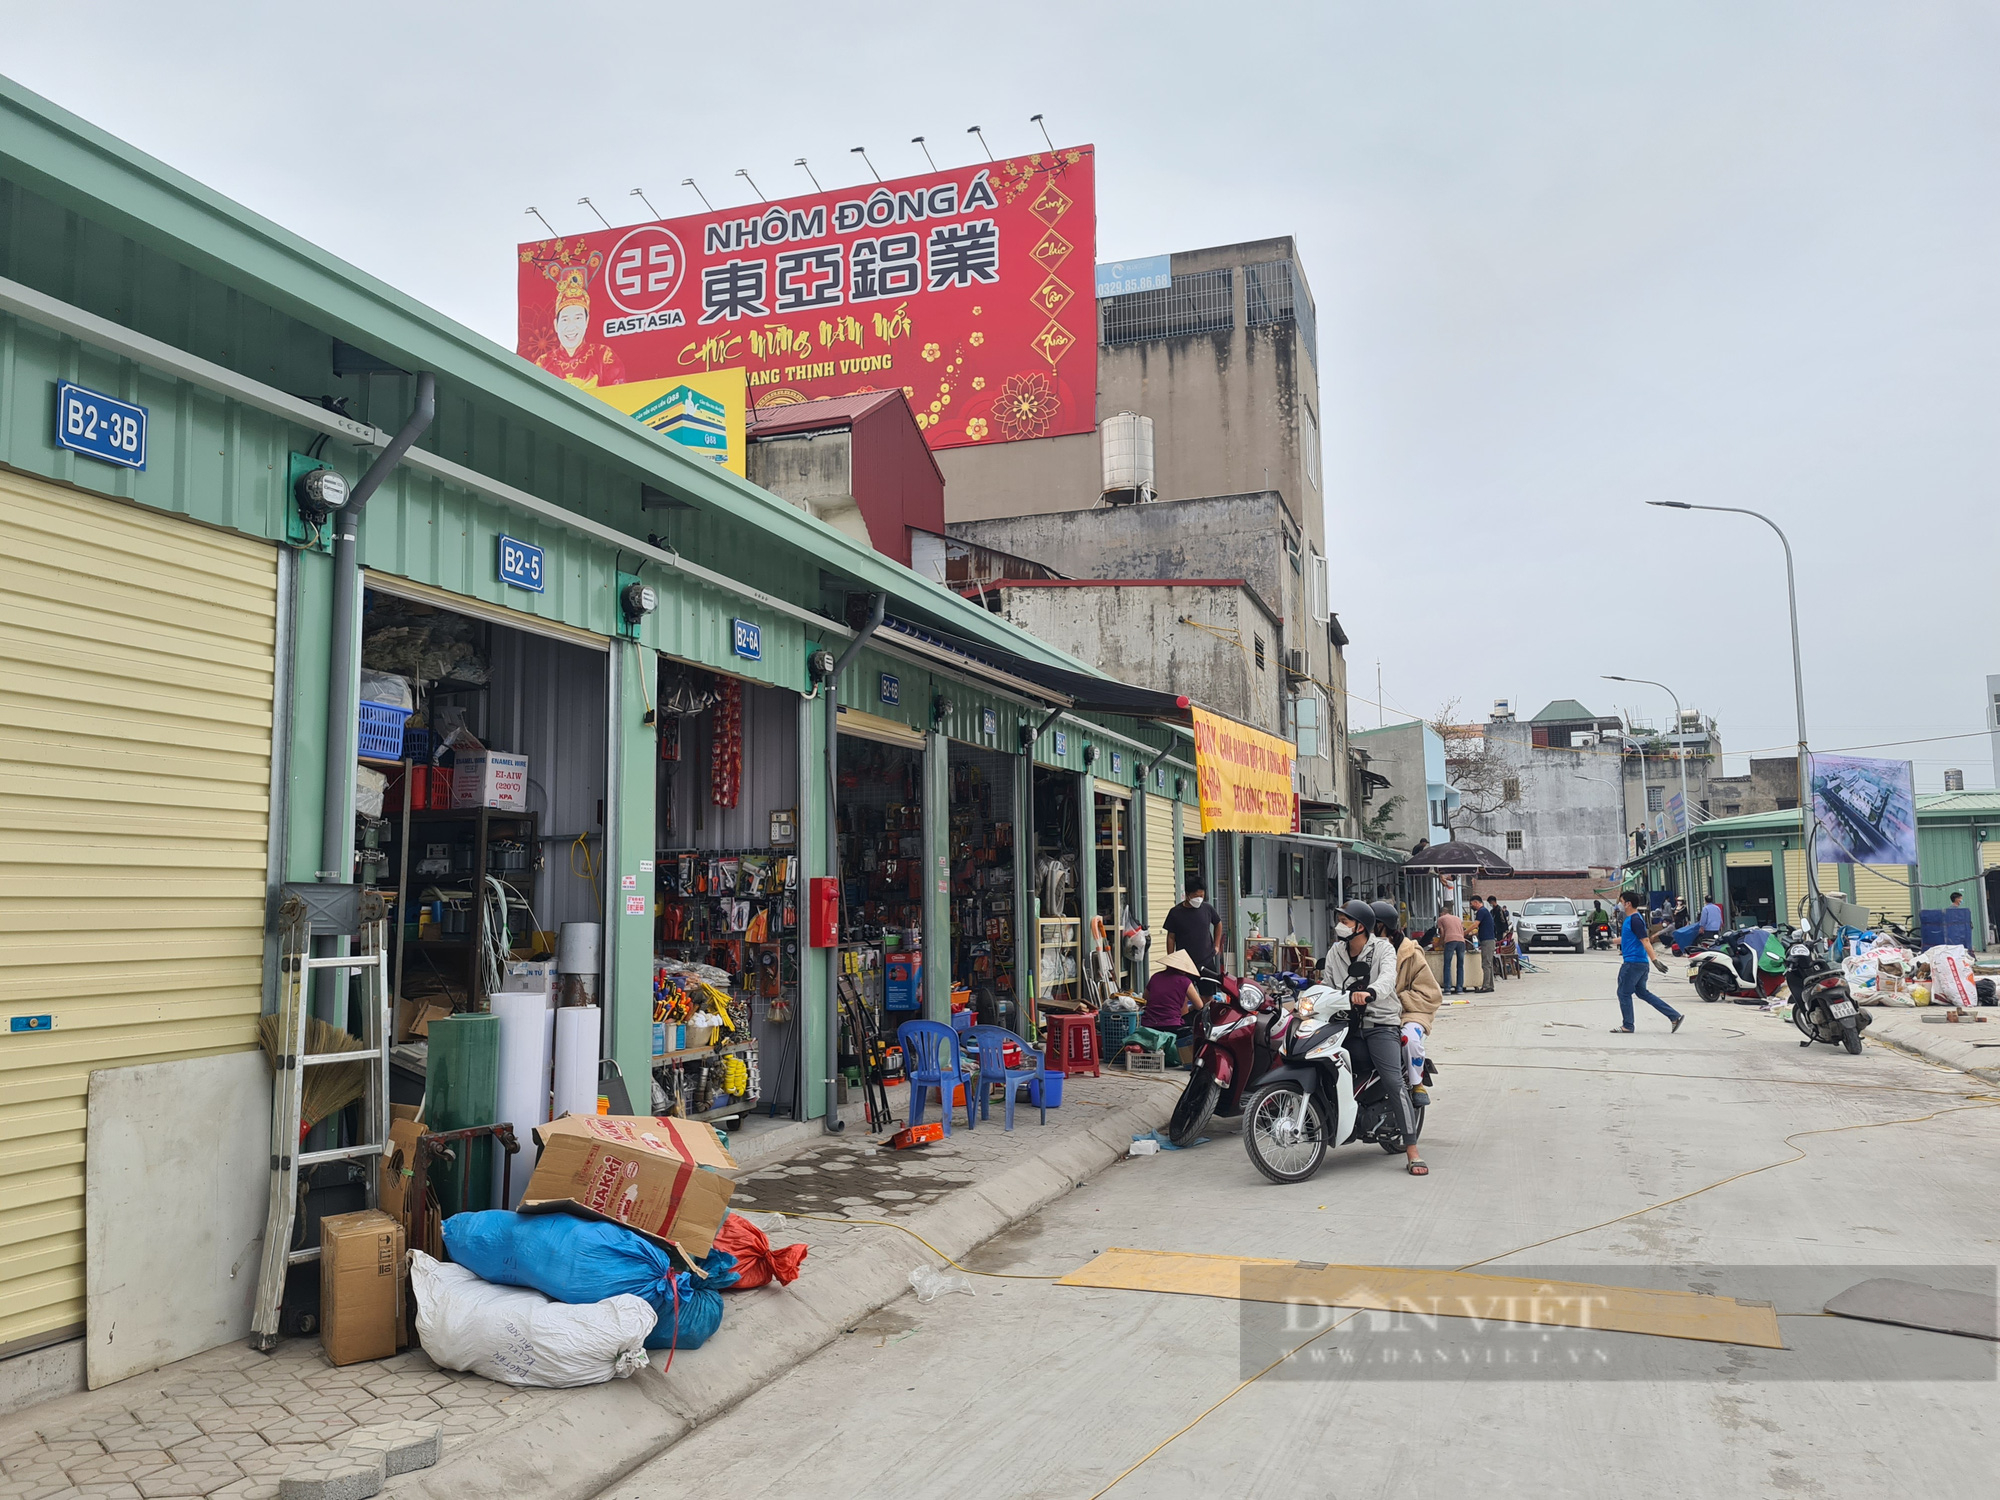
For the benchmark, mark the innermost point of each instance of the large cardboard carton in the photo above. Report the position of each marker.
(635, 1170)
(490, 778)
(360, 1286)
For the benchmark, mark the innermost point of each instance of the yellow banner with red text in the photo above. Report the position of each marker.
(1244, 776)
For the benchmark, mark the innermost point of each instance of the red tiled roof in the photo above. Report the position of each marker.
(807, 416)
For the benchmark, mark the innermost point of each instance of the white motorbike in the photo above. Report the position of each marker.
(1310, 1097)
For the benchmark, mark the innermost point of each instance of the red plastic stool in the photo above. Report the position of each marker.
(1072, 1044)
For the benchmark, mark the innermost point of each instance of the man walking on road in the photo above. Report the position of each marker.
(1489, 942)
(1451, 932)
(1636, 948)
(1195, 928)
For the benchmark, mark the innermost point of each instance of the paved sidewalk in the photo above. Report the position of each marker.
(231, 1421)
(1972, 1046)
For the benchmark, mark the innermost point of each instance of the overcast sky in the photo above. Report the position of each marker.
(1567, 258)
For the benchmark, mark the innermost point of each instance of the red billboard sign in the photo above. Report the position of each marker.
(970, 289)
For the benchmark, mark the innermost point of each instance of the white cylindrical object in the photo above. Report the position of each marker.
(1128, 452)
(522, 1098)
(577, 1051)
(578, 947)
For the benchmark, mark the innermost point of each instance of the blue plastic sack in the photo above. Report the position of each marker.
(699, 1315)
(582, 1261)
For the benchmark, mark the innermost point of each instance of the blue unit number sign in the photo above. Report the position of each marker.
(989, 722)
(747, 640)
(521, 565)
(892, 689)
(1062, 744)
(100, 426)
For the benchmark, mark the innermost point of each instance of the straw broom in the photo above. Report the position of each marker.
(328, 1089)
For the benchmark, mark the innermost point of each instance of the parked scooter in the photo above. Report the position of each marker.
(1737, 967)
(1315, 1094)
(1822, 1007)
(1232, 1049)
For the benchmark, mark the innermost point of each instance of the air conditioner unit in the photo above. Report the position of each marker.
(1295, 658)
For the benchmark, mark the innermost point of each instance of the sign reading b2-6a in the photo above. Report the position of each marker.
(971, 289)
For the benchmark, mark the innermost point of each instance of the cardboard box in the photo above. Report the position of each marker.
(635, 1170)
(414, 1017)
(360, 1286)
(490, 778)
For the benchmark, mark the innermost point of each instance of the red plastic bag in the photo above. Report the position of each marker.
(755, 1259)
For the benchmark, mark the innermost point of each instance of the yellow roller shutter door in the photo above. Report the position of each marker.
(1162, 862)
(135, 765)
(1882, 892)
(1795, 883)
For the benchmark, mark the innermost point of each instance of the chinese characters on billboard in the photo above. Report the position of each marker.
(969, 289)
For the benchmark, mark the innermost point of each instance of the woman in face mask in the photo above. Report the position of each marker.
(1358, 954)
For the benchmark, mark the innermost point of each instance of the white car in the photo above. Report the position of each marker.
(1550, 919)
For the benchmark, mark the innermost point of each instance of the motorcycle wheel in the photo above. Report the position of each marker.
(1268, 1141)
(1850, 1036)
(1197, 1103)
(1708, 989)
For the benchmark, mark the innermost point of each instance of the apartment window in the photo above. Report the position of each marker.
(1259, 640)
(1204, 302)
(1305, 726)
(1309, 435)
(1322, 594)
(1513, 841)
(1510, 789)
(1996, 710)
(1656, 799)
(1273, 293)
(1292, 553)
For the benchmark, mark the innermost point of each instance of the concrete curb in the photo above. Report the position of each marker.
(1921, 1054)
(602, 1433)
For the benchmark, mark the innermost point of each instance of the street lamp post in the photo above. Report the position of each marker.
(1807, 823)
(1680, 754)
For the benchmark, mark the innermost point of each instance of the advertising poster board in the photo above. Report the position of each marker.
(1244, 776)
(1866, 810)
(971, 290)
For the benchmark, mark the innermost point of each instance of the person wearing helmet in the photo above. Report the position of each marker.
(1360, 959)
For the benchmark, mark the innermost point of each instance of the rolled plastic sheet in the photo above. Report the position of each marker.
(579, 947)
(527, 1045)
(577, 1051)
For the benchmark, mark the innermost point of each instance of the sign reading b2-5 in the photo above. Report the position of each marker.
(100, 426)
(521, 565)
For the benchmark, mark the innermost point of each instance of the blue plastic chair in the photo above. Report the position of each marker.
(932, 1060)
(994, 1072)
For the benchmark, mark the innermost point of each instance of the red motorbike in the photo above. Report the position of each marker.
(1233, 1047)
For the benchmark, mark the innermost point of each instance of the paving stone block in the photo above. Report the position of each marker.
(226, 1421)
(307, 1430)
(122, 1490)
(246, 1489)
(180, 1481)
(111, 1468)
(34, 1455)
(339, 1476)
(404, 1446)
(407, 1409)
(57, 1488)
(224, 1450)
(150, 1435)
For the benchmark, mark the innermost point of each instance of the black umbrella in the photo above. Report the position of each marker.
(1460, 856)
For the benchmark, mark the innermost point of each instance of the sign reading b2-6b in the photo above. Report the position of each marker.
(971, 290)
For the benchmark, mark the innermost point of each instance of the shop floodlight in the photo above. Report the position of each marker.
(320, 492)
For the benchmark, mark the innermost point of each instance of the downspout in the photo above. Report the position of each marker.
(336, 836)
(878, 604)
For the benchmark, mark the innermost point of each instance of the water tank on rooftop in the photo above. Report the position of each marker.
(1128, 458)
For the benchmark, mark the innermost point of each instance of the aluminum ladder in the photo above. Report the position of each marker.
(308, 912)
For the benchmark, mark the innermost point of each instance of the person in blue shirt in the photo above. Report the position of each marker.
(1711, 916)
(1489, 933)
(1636, 949)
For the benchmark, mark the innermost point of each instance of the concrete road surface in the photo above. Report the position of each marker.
(1544, 1125)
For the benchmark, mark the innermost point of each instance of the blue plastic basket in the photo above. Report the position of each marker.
(418, 745)
(381, 731)
(1114, 1030)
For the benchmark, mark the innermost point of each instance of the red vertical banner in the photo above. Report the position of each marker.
(971, 290)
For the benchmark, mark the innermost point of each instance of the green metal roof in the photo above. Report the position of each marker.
(1930, 805)
(101, 179)
(1562, 711)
